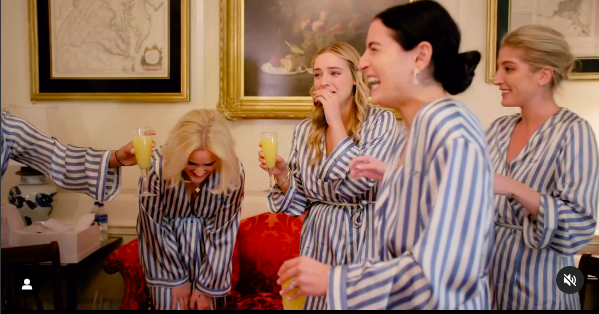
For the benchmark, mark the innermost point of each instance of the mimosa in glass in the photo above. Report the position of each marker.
(142, 144)
(270, 146)
(295, 305)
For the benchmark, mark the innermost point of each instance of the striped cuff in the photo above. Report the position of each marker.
(539, 232)
(337, 290)
(214, 293)
(283, 203)
(166, 283)
(109, 180)
(336, 166)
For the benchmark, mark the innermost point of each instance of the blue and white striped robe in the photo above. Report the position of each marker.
(434, 222)
(339, 222)
(561, 162)
(181, 242)
(79, 169)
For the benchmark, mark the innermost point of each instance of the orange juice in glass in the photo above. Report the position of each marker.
(270, 146)
(143, 151)
(295, 305)
(142, 145)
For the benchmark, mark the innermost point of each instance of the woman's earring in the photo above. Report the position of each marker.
(416, 72)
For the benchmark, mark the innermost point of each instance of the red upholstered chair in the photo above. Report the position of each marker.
(125, 261)
(263, 243)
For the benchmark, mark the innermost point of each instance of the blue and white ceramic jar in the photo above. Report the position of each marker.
(33, 197)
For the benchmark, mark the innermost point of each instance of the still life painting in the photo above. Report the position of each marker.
(267, 49)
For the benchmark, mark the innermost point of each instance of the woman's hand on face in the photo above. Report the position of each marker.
(332, 108)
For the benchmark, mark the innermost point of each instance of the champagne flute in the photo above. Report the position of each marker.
(270, 145)
(142, 144)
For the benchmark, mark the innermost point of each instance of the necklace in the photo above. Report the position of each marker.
(197, 188)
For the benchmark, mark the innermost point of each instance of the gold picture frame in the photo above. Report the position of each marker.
(499, 21)
(171, 87)
(233, 103)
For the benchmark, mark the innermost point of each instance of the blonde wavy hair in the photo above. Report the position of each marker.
(201, 130)
(543, 46)
(361, 94)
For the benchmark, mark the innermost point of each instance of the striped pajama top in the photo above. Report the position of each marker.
(561, 162)
(434, 222)
(339, 222)
(79, 169)
(161, 245)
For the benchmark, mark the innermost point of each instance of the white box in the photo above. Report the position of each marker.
(74, 247)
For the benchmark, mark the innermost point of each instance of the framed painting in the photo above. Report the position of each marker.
(267, 47)
(578, 20)
(118, 50)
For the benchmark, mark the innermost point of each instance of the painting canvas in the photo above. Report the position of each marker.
(578, 20)
(93, 39)
(282, 37)
(118, 50)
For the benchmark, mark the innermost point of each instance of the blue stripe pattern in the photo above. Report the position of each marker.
(434, 222)
(339, 223)
(181, 241)
(560, 162)
(78, 169)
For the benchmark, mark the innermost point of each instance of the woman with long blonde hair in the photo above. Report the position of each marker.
(339, 218)
(187, 231)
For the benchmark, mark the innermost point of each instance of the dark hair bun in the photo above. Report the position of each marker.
(457, 74)
(428, 21)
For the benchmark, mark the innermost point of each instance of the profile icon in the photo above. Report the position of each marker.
(27, 285)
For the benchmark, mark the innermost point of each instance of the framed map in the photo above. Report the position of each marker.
(109, 50)
(578, 20)
(267, 48)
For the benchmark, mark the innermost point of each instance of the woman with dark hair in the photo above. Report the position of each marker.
(434, 209)
(339, 221)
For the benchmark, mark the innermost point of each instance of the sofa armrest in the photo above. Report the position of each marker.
(125, 261)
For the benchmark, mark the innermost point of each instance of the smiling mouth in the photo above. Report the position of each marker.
(373, 83)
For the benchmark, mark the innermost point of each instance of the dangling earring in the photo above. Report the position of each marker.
(416, 72)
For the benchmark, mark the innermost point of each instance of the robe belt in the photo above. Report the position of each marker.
(513, 227)
(358, 209)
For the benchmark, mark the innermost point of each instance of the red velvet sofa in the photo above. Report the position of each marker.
(263, 243)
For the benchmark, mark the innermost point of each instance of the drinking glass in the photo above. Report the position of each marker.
(142, 144)
(295, 305)
(270, 145)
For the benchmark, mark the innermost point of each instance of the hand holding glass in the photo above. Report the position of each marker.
(295, 305)
(270, 145)
(142, 145)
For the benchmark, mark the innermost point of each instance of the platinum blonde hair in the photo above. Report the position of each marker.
(201, 130)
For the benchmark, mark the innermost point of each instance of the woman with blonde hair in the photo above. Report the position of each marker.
(339, 221)
(547, 174)
(187, 231)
